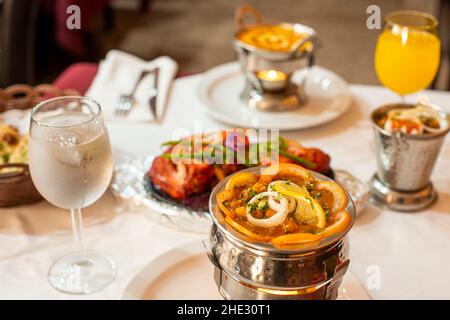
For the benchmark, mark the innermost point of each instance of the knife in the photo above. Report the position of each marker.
(154, 96)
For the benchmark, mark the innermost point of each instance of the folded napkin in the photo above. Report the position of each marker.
(118, 74)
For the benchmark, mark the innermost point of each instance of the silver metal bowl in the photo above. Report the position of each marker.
(287, 95)
(245, 269)
(405, 163)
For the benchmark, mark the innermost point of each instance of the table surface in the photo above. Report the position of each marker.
(410, 252)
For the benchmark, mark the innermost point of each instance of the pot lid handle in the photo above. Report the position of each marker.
(333, 286)
(298, 50)
(242, 12)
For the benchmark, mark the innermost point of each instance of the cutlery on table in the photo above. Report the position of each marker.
(126, 101)
(154, 96)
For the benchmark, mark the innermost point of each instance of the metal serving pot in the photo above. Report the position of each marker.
(269, 95)
(245, 269)
(254, 59)
(405, 162)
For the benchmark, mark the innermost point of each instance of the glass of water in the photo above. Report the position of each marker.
(71, 165)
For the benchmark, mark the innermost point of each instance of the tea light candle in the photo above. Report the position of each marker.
(272, 79)
(272, 75)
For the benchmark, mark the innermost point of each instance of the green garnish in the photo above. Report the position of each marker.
(252, 207)
(209, 152)
(282, 144)
(253, 152)
(263, 206)
(225, 151)
(309, 186)
(307, 163)
(5, 157)
(170, 143)
(252, 193)
(317, 195)
(326, 210)
(197, 155)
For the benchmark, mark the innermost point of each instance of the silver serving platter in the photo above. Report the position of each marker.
(130, 184)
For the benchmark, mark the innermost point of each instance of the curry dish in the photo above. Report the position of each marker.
(415, 121)
(285, 205)
(13, 146)
(271, 37)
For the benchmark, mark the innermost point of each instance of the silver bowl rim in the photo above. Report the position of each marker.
(240, 239)
(288, 54)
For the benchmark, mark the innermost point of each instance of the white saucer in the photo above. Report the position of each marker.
(328, 98)
(185, 273)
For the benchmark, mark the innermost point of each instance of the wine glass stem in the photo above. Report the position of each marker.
(77, 229)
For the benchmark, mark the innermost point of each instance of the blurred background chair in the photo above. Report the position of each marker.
(17, 41)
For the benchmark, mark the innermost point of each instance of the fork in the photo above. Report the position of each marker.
(126, 101)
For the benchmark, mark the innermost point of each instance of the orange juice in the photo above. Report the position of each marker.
(407, 60)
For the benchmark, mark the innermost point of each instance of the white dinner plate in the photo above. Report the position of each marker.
(185, 273)
(328, 98)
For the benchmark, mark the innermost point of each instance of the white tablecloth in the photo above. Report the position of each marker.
(411, 251)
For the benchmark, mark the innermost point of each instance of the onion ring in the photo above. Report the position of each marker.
(274, 205)
(275, 220)
(292, 203)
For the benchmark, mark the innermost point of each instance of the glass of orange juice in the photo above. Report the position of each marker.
(408, 50)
